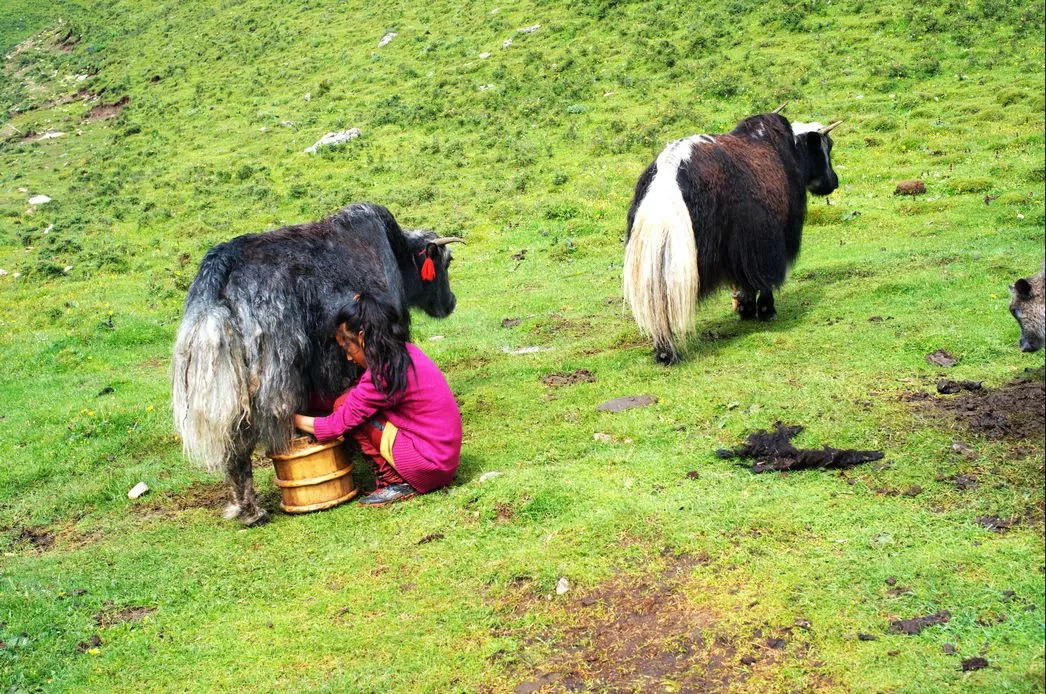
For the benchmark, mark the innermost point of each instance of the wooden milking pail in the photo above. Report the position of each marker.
(313, 476)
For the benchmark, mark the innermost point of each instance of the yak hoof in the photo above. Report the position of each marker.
(666, 357)
(231, 511)
(767, 316)
(252, 519)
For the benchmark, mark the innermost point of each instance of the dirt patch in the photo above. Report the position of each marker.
(111, 615)
(913, 187)
(626, 402)
(644, 634)
(107, 111)
(39, 538)
(1015, 411)
(942, 358)
(774, 451)
(94, 642)
(196, 495)
(917, 624)
(976, 663)
(569, 379)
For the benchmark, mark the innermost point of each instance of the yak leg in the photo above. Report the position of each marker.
(745, 302)
(244, 504)
(765, 305)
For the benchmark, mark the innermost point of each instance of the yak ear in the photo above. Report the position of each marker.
(1023, 289)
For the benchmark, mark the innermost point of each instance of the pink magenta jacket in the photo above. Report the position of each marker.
(427, 449)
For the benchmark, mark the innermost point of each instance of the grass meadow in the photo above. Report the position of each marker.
(525, 140)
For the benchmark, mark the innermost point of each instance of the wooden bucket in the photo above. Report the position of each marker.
(313, 476)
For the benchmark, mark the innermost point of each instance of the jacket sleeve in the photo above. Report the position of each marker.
(363, 401)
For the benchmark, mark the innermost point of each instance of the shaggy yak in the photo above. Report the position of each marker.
(257, 335)
(721, 208)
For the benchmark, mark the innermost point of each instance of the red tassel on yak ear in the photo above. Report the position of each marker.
(428, 270)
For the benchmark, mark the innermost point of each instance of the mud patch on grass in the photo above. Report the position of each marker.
(196, 495)
(1014, 412)
(110, 615)
(558, 380)
(39, 538)
(107, 111)
(644, 634)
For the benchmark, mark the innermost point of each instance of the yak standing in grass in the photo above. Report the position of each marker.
(257, 335)
(721, 208)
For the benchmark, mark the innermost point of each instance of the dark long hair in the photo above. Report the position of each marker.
(385, 336)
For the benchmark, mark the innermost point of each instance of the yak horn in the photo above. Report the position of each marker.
(829, 128)
(780, 108)
(445, 240)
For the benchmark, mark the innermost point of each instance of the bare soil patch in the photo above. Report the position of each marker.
(1016, 411)
(196, 495)
(557, 380)
(107, 111)
(110, 615)
(644, 634)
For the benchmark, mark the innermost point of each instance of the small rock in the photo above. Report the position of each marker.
(530, 29)
(137, 490)
(49, 228)
(948, 648)
(15, 275)
(867, 637)
(487, 476)
(51, 134)
(913, 187)
(506, 43)
(436, 338)
(604, 438)
(331, 139)
(2, 272)
(386, 39)
(484, 55)
(39, 200)
(308, 96)
(747, 660)
(562, 585)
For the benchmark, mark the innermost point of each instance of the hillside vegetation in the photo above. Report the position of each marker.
(523, 127)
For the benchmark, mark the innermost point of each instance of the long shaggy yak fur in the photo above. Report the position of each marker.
(256, 337)
(720, 208)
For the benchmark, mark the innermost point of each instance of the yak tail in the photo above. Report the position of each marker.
(210, 395)
(661, 278)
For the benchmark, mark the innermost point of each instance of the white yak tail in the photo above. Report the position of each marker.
(661, 277)
(210, 390)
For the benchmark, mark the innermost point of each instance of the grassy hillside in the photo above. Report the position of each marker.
(524, 140)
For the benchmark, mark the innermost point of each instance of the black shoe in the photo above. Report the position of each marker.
(389, 495)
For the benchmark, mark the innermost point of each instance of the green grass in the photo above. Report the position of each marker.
(210, 146)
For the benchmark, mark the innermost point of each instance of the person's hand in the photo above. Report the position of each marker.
(303, 423)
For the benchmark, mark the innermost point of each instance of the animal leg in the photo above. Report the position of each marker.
(245, 504)
(745, 302)
(765, 306)
(666, 353)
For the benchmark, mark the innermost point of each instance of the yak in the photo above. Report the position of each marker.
(721, 208)
(256, 338)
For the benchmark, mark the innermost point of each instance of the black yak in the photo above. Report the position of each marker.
(257, 335)
(721, 208)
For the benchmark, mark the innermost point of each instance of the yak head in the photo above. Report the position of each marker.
(815, 148)
(1028, 306)
(428, 285)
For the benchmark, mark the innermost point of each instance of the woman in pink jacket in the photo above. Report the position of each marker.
(401, 411)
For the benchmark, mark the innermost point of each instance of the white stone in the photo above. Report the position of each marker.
(39, 200)
(604, 438)
(15, 275)
(484, 55)
(138, 490)
(485, 87)
(49, 228)
(562, 585)
(308, 96)
(486, 476)
(386, 39)
(435, 338)
(530, 29)
(524, 350)
(507, 43)
(23, 190)
(67, 269)
(51, 134)
(334, 139)
(2, 272)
